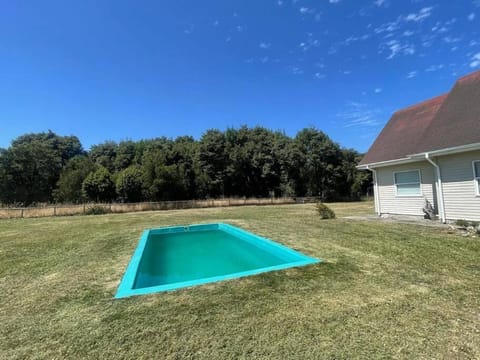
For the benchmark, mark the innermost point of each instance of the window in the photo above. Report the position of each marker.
(408, 183)
(476, 175)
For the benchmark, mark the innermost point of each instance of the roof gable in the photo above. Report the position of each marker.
(445, 121)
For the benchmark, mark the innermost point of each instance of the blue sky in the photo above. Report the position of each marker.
(114, 70)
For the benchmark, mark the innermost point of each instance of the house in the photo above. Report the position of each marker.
(431, 151)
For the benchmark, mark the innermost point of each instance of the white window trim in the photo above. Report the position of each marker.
(476, 179)
(404, 171)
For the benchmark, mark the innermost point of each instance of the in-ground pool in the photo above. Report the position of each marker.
(175, 257)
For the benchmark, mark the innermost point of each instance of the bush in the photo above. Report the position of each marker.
(97, 210)
(324, 211)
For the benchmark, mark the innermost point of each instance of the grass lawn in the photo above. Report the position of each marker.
(383, 291)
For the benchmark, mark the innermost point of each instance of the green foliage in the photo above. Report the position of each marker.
(69, 186)
(97, 210)
(324, 211)
(31, 167)
(99, 186)
(129, 184)
(252, 162)
(104, 154)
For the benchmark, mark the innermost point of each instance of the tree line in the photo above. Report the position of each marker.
(244, 162)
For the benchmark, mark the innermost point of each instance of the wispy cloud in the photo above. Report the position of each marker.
(433, 68)
(471, 17)
(395, 47)
(189, 29)
(359, 115)
(379, 3)
(420, 16)
(475, 60)
(333, 1)
(295, 70)
(264, 45)
(412, 74)
(378, 90)
(319, 76)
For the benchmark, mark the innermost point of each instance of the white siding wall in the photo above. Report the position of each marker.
(390, 203)
(459, 190)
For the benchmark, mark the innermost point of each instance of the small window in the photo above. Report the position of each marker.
(476, 175)
(408, 183)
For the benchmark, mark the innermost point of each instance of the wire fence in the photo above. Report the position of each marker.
(90, 208)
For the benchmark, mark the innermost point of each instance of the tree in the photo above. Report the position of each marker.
(129, 184)
(69, 185)
(213, 160)
(104, 154)
(320, 164)
(99, 186)
(124, 155)
(31, 166)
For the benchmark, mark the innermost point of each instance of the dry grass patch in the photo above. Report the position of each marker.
(383, 291)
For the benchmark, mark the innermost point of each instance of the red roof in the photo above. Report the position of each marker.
(449, 120)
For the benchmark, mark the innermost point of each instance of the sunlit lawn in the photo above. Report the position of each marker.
(382, 291)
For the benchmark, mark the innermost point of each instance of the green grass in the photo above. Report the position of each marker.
(383, 291)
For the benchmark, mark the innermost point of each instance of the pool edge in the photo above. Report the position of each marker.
(125, 288)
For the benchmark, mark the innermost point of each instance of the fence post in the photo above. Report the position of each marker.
(83, 208)
(21, 213)
(54, 211)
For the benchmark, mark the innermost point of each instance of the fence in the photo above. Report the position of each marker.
(65, 210)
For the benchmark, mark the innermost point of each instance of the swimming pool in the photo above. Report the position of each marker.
(175, 257)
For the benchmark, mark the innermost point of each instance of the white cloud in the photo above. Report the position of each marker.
(378, 90)
(450, 39)
(318, 75)
(264, 59)
(396, 47)
(421, 15)
(333, 1)
(359, 115)
(280, 2)
(379, 2)
(239, 28)
(475, 61)
(264, 45)
(432, 68)
(412, 74)
(296, 70)
(216, 23)
(471, 17)
(190, 28)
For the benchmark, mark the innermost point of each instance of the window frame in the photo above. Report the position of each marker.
(476, 178)
(420, 194)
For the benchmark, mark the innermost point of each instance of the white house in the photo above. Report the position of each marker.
(431, 151)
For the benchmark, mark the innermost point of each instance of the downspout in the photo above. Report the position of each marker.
(376, 194)
(441, 204)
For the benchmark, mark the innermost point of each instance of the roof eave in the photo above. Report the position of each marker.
(421, 156)
(385, 163)
(447, 151)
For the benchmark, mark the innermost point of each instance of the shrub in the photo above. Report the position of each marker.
(97, 210)
(324, 211)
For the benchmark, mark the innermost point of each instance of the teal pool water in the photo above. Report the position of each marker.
(175, 257)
